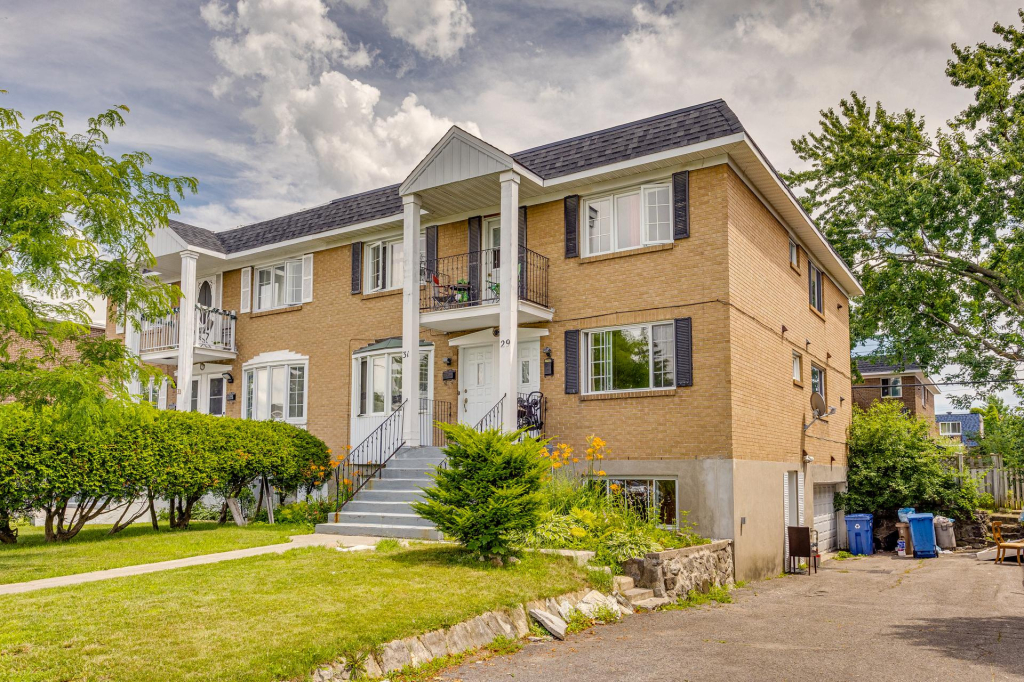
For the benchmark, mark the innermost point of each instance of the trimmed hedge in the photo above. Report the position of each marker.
(133, 452)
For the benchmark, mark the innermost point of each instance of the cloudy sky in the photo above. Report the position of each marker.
(276, 105)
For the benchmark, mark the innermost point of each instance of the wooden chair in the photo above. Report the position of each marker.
(1002, 545)
(800, 546)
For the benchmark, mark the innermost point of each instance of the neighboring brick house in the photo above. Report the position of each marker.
(670, 287)
(909, 384)
(962, 427)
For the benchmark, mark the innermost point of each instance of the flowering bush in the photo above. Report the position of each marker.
(580, 513)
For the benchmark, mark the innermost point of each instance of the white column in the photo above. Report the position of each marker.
(132, 339)
(186, 328)
(508, 341)
(411, 319)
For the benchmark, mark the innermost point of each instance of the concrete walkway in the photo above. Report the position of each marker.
(297, 541)
(877, 618)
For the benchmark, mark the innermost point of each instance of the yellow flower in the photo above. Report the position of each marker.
(615, 487)
(556, 465)
(600, 473)
(575, 459)
(589, 457)
(599, 456)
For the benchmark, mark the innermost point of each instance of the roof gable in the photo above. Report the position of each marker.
(457, 156)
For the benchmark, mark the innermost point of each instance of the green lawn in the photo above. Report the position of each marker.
(94, 550)
(267, 618)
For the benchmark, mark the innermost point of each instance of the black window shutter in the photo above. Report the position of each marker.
(684, 352)
(572, 360)
(475, 233)
(681, 205)
(357, 267)
(431, 255)
(522, 227)
(572, 221)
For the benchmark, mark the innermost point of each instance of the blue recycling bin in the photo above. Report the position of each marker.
(922, 532)
(860, 533)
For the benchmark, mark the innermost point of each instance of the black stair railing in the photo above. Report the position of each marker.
(491, 420)
(367, 460)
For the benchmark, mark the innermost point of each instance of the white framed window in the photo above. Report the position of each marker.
(379, 379)
(798, 368)
(630, 358)
(814, 288)
(647, 495)
(628, 219)
(818, 380)
(151, 392)
(385, 264)
(951, 429)
(278, 285)
(892, 388)
(275, 391)
(794, 254)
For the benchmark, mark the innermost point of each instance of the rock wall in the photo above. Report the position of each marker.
(674, 572)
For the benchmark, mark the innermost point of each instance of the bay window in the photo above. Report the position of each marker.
(380, 381)
(630, 358)
(276, 392)
(279, 285)
(628, 219)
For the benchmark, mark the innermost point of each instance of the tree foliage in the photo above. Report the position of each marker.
(134, 453)
(489, 492)
(931, 222)
(73, 226)
(894, 462)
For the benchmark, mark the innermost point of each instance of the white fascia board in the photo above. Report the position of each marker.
(856, 289)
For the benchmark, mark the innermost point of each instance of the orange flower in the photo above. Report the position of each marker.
(600, 473)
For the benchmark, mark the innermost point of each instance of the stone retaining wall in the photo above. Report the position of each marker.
(674, 572)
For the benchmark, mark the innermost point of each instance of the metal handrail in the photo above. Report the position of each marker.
(214, 329)
(376, 450)
(491, 420)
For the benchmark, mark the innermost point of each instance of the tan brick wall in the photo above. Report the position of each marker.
(769, 410)
(731, 276)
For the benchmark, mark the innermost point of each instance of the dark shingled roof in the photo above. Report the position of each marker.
(679, 128)
(197, 236)
(882, 365)
(691, 125)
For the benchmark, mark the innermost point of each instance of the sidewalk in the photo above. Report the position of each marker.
(297, 541)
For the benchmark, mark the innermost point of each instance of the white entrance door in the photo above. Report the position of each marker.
(825, 520)
(477, 383)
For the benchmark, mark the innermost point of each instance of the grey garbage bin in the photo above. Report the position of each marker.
(944, 536)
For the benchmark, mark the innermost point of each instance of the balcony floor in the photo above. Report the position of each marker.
(169, 356)
(480, 316)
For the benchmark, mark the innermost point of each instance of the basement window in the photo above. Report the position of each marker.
(647, 496)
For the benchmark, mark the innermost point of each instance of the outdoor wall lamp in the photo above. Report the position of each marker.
(447, 362)
(547, 352)
(228, 378)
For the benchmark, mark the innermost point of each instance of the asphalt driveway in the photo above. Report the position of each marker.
(875, 618)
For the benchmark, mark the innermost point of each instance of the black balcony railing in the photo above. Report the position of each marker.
(474, 278)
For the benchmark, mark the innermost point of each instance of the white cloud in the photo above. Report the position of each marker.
(435, 28)
(320, 133)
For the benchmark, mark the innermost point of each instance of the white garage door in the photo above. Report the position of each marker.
(825, 517)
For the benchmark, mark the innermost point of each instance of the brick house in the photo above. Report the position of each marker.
(883, 380)
(668, 287)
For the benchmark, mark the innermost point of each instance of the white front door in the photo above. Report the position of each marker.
(825, 520)
(477, 396)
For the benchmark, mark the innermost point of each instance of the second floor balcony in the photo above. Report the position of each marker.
(212, 340)
(463, 291)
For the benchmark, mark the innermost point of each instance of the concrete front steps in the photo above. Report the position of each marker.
(638, 597)
(383, 507)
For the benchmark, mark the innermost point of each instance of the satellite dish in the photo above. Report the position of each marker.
(817, 404)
